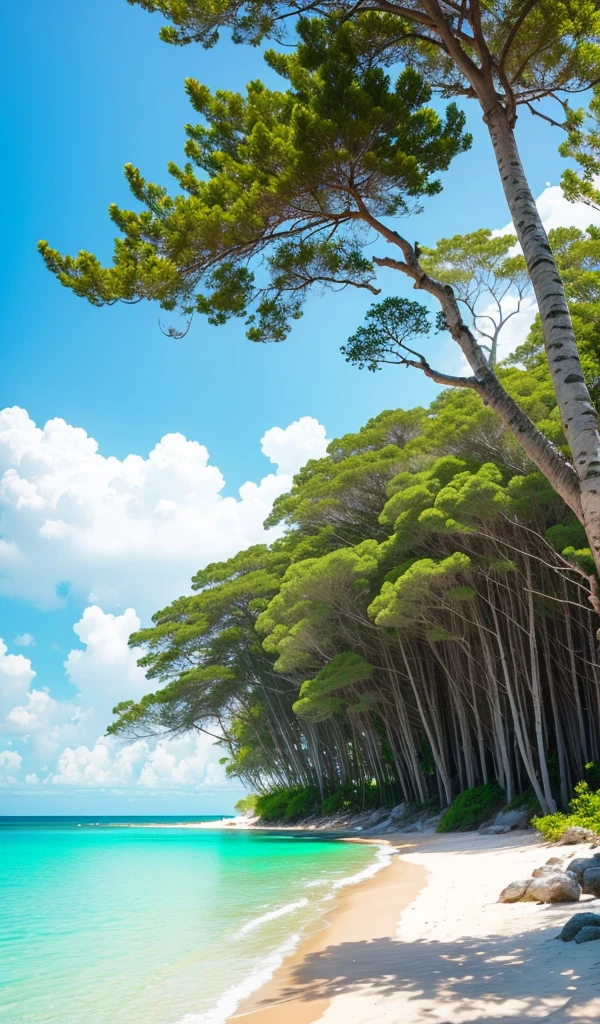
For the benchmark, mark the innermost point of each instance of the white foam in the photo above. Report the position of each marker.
(230, 1000)
(271, 915)
(384, 855)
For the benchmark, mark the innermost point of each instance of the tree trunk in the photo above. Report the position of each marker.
(578, 416)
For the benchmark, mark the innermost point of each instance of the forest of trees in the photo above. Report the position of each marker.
(428, 619)
(425, 620)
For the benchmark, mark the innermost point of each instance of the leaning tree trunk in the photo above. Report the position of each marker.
(578, 416)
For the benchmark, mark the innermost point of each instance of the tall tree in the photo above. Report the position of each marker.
(505, 54)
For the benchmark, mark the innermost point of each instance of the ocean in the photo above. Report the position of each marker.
(145, 925)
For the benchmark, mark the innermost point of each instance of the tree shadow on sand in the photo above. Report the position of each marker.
(526, 977)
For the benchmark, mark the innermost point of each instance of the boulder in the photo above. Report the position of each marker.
(513, 819)
(375, 818)
(515, 891)
(548, 869)
(581, 864)
(588, 934)
(398, 811)
(555, 888)
(591, 881)
(576, 834)
(494, 830)
(576, 923)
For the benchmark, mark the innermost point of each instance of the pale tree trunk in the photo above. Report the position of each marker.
(578, 416)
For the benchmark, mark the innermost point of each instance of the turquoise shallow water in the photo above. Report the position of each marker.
(142, 925)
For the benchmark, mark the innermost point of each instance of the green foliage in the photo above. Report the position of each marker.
(592, 775)
(352, 798)
(389, 326)
(247, 803)
(472, 807)
(317, 701)
(525, 800)
(585, 812)
(287, 804)
(280, 188)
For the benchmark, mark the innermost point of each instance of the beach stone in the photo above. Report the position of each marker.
(398, 811)
(548, 869)
(495, 830)
(591, 881)
(515, 891)
(576, 923)
(588, 934)
(512, 819)
(581, 864)
(555, 888)
(576, 834)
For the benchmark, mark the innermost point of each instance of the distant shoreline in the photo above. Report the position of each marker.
(425, 939)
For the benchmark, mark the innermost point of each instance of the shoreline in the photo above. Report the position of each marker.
(424, 939)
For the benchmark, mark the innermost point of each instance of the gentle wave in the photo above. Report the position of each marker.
(230, 1000)
(383, 858)
(271, 915)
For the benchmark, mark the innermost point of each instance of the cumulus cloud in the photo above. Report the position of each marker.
(24, 640)
(117, 532)
(128, 531)
(10, 766)
(62, 741)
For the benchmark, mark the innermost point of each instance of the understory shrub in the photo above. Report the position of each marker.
(287, 803)
(247, 803)
(527, 800)
(471, 808)
(353, 798)
(585, 812)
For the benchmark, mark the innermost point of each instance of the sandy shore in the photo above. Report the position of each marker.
(425, 941)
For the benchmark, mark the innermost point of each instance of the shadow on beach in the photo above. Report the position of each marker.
(524, 977)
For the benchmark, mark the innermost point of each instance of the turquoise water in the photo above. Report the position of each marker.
(143, 925)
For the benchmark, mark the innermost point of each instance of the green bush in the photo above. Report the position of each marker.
(247, 803)
(471, 808)
(287, 803)
(585, 811)
(526, 800)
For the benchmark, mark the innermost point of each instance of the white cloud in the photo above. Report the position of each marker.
(16, 674)
(10, 766)
(24, 640)
(62, 741)
(115, 531)
(129, 531)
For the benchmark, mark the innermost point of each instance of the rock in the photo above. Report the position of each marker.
(591, 881)
(588, 934)
(576, 834)
(375, 818)
(398, 811)
(513, 819)
(576, 923)
(548, 869)
(515, 891)
(388, 823)
(581, 864)
(554, 860)
(556, 888)
(494, 830)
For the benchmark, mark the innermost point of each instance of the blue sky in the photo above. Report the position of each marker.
(89, 87)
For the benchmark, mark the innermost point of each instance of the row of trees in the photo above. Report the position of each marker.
(425, 620)
(428, 618)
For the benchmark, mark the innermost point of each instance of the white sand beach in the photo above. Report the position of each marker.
(425, 940)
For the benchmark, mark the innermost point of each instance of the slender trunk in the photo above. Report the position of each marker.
(578, 416)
